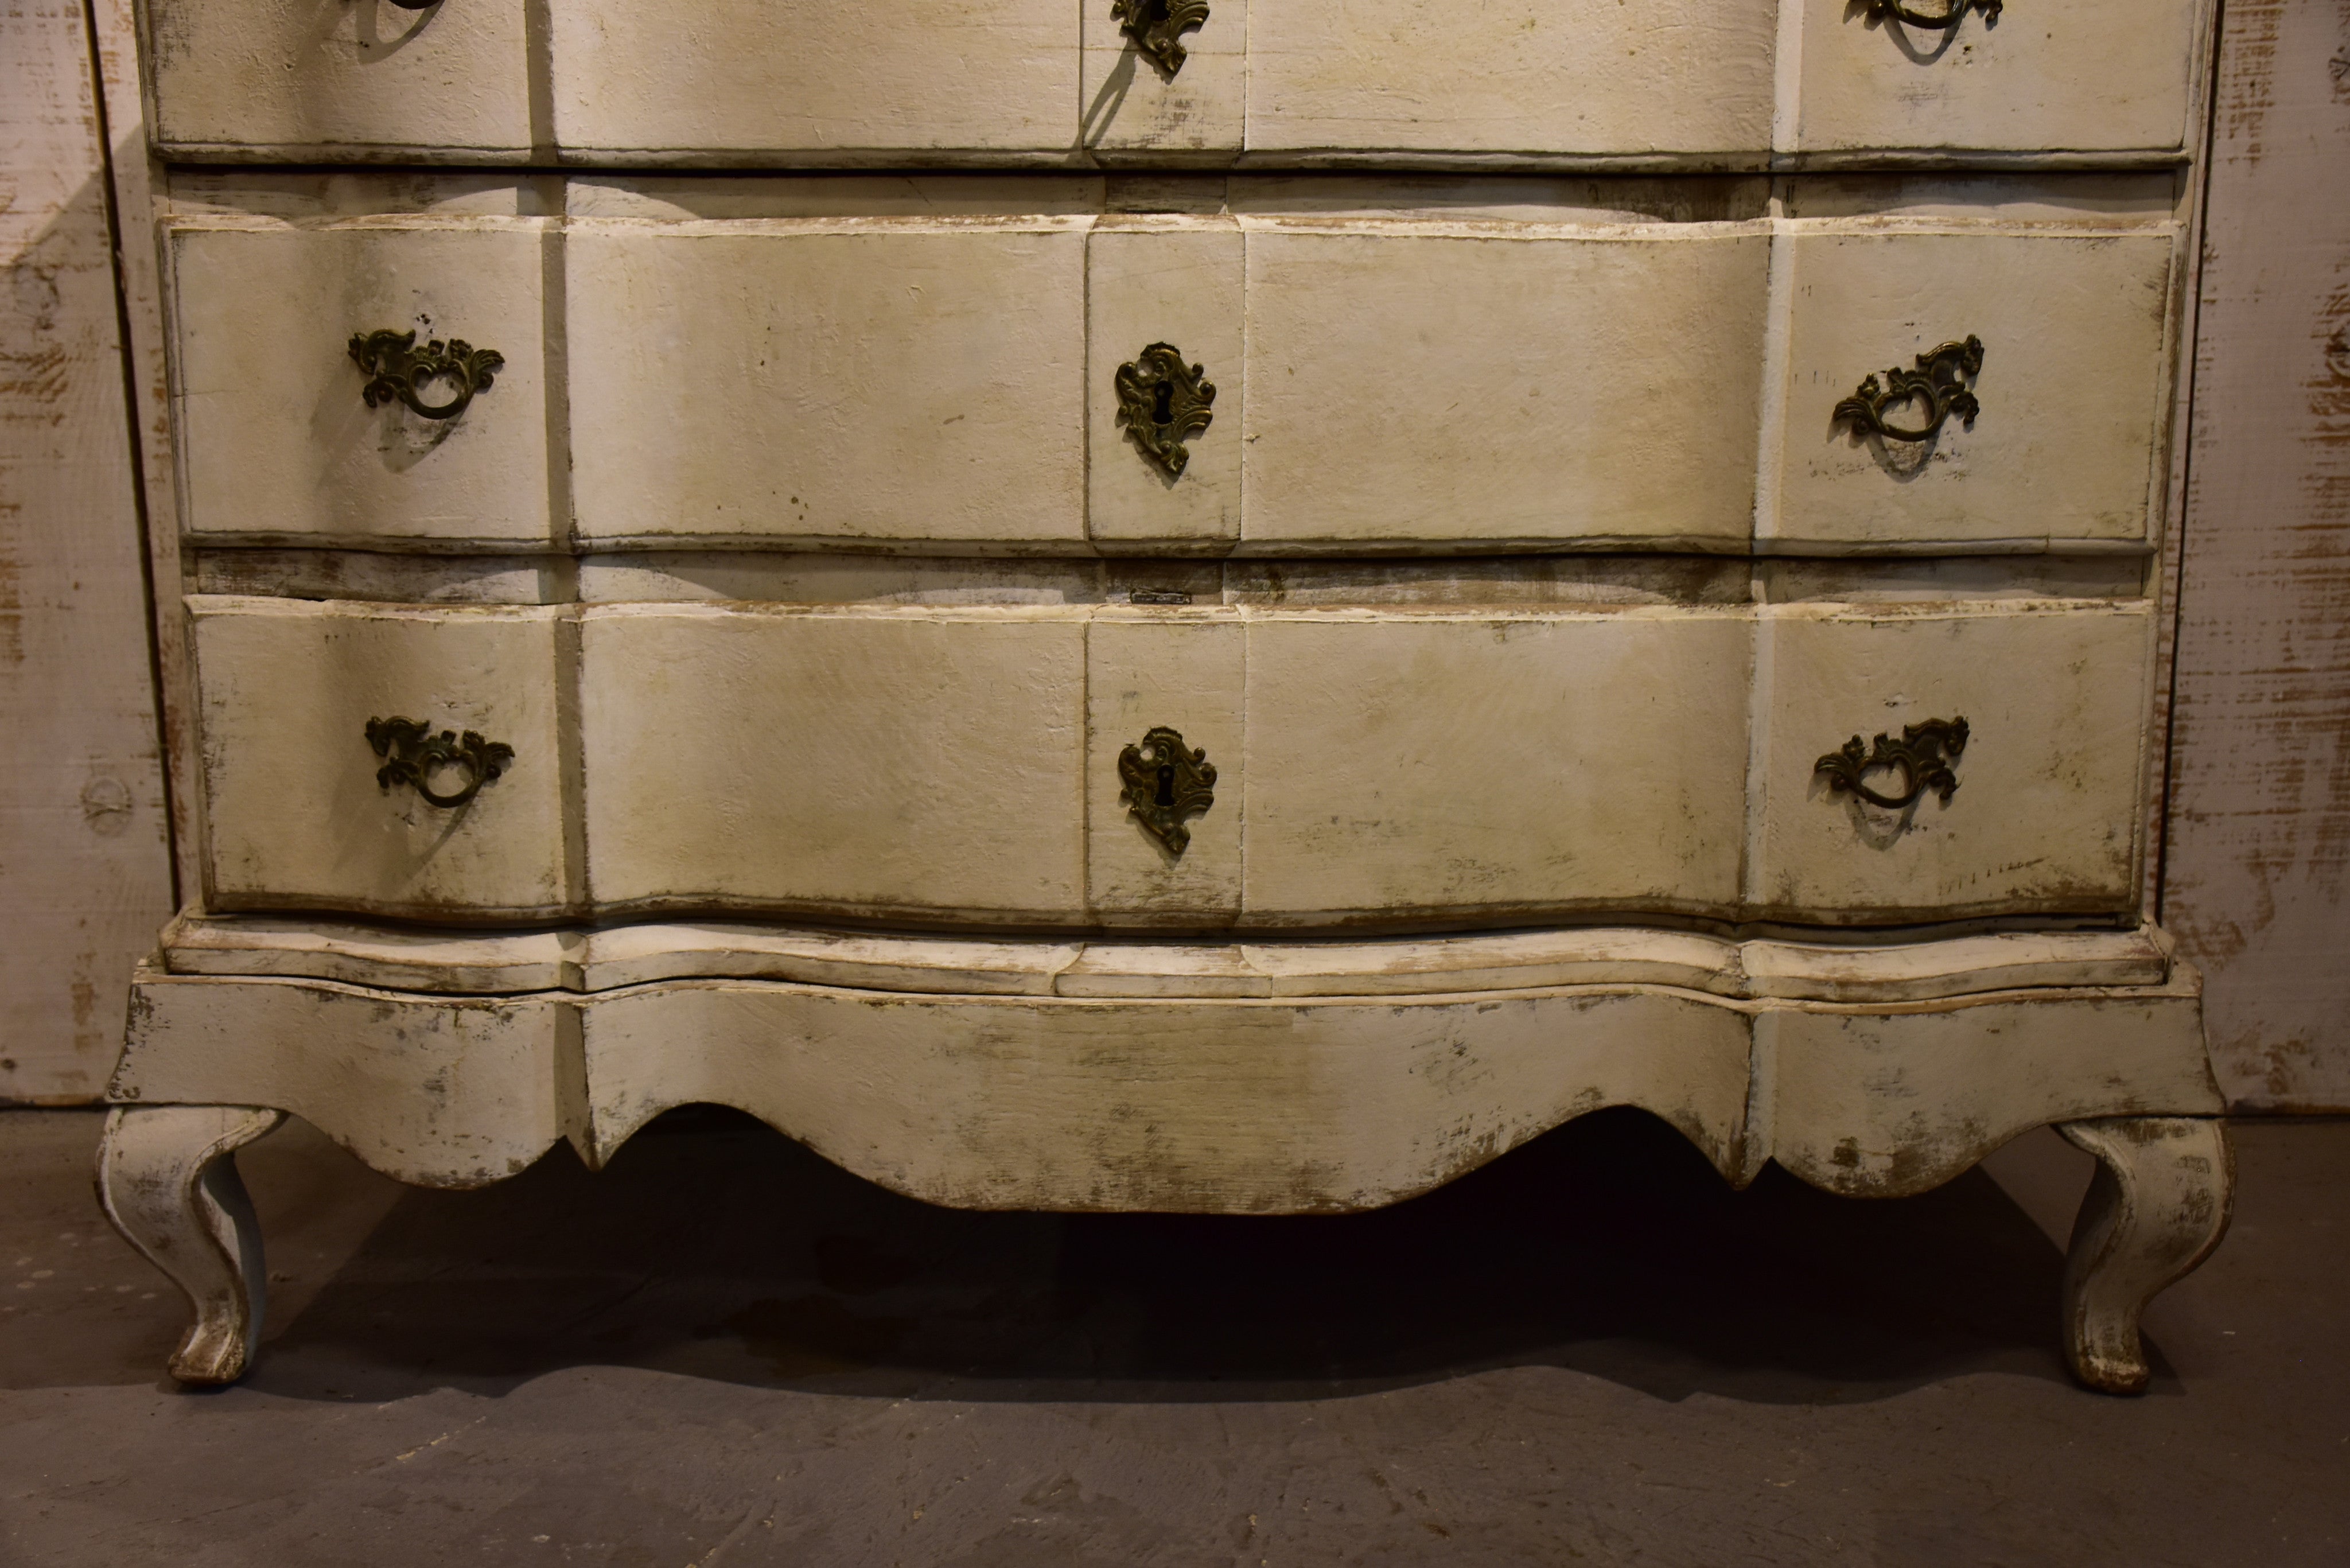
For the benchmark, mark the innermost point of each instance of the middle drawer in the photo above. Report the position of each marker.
(1057, 765)
(1309, 365)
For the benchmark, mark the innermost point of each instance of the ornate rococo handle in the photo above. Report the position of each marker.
(1924, 754)
(1166, 782)
(1935, 382)
(1162, 403)
(1154, 26)
(396, 367)
(1882, 10)
(413, 753)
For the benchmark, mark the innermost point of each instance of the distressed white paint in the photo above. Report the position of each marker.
(1177, 282)
(2045, 816)
(1893, 1102)
(887, 761)
(773, 80)
(1500, 766)
(1133, 110)
(2088, 76)
(84, 859)
(1182, 668)
(610, 957)
(1509, 382)
(297, 82)
(2074, 386)
(435, 1090)
(276, 439)
(1571, 76)
(835, 381)
(294, 816)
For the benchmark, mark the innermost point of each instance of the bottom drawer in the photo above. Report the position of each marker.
(1348, 767)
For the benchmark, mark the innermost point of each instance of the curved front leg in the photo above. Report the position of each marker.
(167, 1178)
(2156, 1208)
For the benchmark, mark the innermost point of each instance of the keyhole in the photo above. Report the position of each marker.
(1167, 784)
(1162, 403)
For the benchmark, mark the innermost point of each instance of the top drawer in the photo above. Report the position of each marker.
(1670, 83)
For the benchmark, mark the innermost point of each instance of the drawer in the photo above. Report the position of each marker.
(298, 810)
(1309, 365)
(1565, 82)
(2044, 812)
(372, 80)
(278, 439)
(1195, 768)
(2069, 381)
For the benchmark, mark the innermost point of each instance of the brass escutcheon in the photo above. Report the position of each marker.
(1162, 403)
(1154, 26)
(1166, 782)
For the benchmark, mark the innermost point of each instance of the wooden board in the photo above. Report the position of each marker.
(2258, 828)
(84, 862)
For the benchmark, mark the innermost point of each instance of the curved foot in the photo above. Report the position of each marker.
(2156, 1208)
(167, 1178)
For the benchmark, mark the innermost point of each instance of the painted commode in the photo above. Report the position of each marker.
(1148, 604)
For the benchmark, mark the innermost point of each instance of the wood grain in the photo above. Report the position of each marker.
(2258, 826)
(85, 865)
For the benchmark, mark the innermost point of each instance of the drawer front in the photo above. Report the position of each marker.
(378, 81)
(782, 78)
(915, 764)
(925, 81)
(2111, 76)
(1540, 387)
(1393, 367)
(297, 811)
(1494, 766)
(2069, 387)
(2044, 812)
(1204, 768)
(278, 435)
(812, 381)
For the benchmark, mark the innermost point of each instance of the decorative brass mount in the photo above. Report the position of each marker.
(1154, 25)
(413, 753)
(1166, 782)
(1935, 383)
(396, 367)
(1924, 754)
(1880, 10)
(1162, 404)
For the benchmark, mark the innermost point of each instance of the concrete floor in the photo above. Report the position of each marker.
(722, 1351)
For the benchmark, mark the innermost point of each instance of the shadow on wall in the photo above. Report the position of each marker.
(1607, 1247)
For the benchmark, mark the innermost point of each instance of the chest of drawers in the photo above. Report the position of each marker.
(1079, 629)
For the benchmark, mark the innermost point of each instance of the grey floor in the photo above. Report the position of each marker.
(722, 1351)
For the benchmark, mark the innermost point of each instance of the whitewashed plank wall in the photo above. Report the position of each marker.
(84, 861)
(2256, 880)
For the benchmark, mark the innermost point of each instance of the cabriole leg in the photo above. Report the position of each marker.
(167, 1178)
(2156, 1208)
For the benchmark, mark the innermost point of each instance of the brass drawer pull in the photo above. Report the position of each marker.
(1935, 383)
(1166, 782)
(1924, 754)
(396, 367)
(1882, 10)
(413, 753)
(1154, 25)
(1162, 404)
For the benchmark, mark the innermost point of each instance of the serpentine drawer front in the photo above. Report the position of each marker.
(996, 765)
(926, 81)
(1879, 365)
